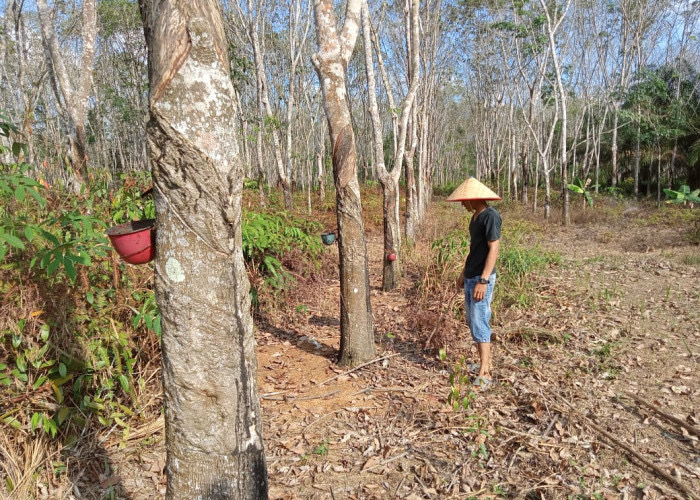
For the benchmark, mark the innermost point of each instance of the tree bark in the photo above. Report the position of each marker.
(553, 25)
(264, 100)
(73, 100)
(213, 427)
(330, 61)
(389, 180)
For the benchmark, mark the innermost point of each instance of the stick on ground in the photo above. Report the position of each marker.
(692, 429)
(361, 366)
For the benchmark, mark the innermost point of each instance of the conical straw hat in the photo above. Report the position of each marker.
(471, 189)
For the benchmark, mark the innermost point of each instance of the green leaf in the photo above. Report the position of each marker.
(17, 148)
(49, 237)
(90, 297)
(81, 258)
(50, 426)
(39, 382)
(12, 240)
(63, 413)
(21, 363)
(70, 269)
(20, 193)
(54, 265)
(36, 421)
(44, 332)
(62, 370)
(124, 382)
(29, 232)
(39, 199)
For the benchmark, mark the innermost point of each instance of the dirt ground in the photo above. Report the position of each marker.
(618, 319)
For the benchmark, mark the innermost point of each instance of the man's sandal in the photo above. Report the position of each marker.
(482, 383)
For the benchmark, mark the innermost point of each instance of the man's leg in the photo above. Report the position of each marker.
(481, 329)
(485, 359)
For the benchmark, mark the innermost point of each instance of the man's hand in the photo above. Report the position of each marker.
(479, 292)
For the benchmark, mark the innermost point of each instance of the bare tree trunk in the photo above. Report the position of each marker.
(213, 427)
(321, 175)
(553, 25)
(410, 215)
(295, 51)
(637, 159)
(334, 51)
(264, 100)
(525, 174)
(74, 99)
(390, 179)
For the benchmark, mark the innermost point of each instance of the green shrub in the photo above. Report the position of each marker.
(268, 237)
(517, 264)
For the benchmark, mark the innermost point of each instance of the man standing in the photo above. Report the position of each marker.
(478, 277)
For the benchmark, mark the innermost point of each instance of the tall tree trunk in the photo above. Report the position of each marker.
(525, 174)
(213, 427)
(637, 160)
(73, 99)
(263, 98)
(295, 51)
(553, 25)
(331, 60)
(613, 147)
(411, 208)
(390, 179)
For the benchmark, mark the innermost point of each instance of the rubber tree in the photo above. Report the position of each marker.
(553, 23)
(72, 98)
(254, 21)
(331, 61)
(213, 428)
(389, 179)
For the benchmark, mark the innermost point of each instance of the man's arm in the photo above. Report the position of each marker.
(479, 289)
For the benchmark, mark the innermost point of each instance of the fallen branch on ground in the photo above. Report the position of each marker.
(358, 367)
(692, 429)
(632, 452)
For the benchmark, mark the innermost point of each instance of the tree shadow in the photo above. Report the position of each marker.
(91, 471)
(324, 321)
(300, 341)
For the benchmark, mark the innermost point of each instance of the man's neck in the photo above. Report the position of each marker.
(480, 209)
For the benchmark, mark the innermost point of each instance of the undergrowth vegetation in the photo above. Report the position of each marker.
(79, 328)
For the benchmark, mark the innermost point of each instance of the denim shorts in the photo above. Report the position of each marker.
(479, 313)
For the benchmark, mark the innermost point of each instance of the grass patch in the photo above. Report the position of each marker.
(691, 260)
(517, 263)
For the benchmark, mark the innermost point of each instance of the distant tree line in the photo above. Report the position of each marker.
(522, 93)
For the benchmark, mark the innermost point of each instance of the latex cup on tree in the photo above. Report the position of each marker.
(471, 189)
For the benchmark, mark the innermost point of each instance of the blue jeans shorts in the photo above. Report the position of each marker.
(479, 313)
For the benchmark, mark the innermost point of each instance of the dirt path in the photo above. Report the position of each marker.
(620, 314)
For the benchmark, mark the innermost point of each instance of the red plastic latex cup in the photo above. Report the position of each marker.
(134, 241)
(391, 257)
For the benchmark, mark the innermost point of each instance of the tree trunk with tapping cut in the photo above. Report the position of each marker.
(212, 415)
(330, 61)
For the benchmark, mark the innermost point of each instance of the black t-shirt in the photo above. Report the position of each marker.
(483, 228)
